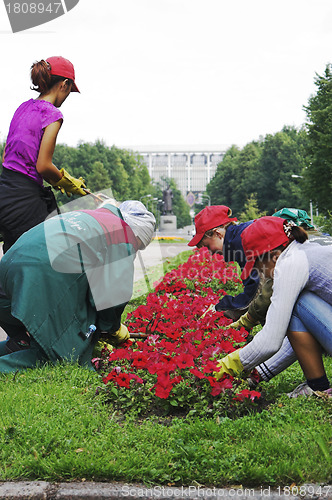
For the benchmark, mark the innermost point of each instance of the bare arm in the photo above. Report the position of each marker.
(44, 161)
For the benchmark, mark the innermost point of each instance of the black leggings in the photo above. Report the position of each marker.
(23, 205)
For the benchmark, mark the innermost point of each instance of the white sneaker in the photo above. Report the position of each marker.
(301, 390)
(304, 390)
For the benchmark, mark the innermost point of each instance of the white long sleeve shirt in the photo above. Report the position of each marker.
(300, 266)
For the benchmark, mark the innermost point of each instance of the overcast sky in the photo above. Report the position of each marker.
(175, 72)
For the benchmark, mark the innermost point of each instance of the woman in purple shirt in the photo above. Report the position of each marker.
(27, 157)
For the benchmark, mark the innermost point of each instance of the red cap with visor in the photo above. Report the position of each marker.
(59, 66)
(261, 236)
(209, 218)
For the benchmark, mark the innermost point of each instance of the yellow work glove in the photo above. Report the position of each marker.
(230, 364)
(100, 345)
(69, 184)
(245, 321)
(120, 336)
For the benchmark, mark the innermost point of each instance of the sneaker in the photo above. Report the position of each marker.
(304, 390)
(301, 390)
(327, 394)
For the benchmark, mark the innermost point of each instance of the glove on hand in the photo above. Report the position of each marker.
(245, 321)
(210, 308)
(70, 185)
(230, 364)
(100, 345)
(120, 336)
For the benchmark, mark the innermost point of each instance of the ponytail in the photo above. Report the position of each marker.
(299, 234)
(41, 77)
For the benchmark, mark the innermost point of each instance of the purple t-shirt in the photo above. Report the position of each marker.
(25, 134)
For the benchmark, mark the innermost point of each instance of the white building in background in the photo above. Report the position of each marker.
(192, 168)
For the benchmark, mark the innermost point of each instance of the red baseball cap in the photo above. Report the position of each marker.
(209, 218)
(261, 236)
(59, 66)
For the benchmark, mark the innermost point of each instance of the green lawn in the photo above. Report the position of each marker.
(56, 425)
(53, 426)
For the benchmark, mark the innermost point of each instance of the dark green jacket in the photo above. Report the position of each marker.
(69, 272)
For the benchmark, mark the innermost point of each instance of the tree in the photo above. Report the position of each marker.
(263, 171)
(246, 174)
(318, 175)
(283, 155)
(103, 167)
(251, 210)
(236, 177)
(98, 179)
(220, 188)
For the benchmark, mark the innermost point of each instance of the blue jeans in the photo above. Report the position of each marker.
(312, 314)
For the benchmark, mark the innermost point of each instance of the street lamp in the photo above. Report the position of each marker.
(201, 196)
(295, 176)
(151, 200)
(154, 207)
(145, 196)
(208, 197)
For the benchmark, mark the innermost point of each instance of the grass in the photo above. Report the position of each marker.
(56, 426)
(53, 426)
(155, 274)
(170, 239)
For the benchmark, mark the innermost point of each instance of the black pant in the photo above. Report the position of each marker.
(23, 205)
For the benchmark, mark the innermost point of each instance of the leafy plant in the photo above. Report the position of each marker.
(172, 372)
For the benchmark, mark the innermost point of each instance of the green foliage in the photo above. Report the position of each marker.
(324, 223)
(55, 427)
(318, 175)
(236, 177)
(120, 170)
(98, 178)
(2, 147)
(251, 210)
(283, 155)
(190, 397)
(103, 167)
(220, 189)
(262, 171)
(176, 261)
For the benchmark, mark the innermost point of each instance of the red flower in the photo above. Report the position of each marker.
(239, 335)
(140, 360)
(165, 384)
(184, 361)
(162, 392)
(182, 340)
(137, 379)
(220, 385)
(210, 366)
(123, 380)
(119, 354)
(197, 373)
(246, 393)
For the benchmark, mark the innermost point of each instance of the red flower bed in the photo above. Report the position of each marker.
(173, 368)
